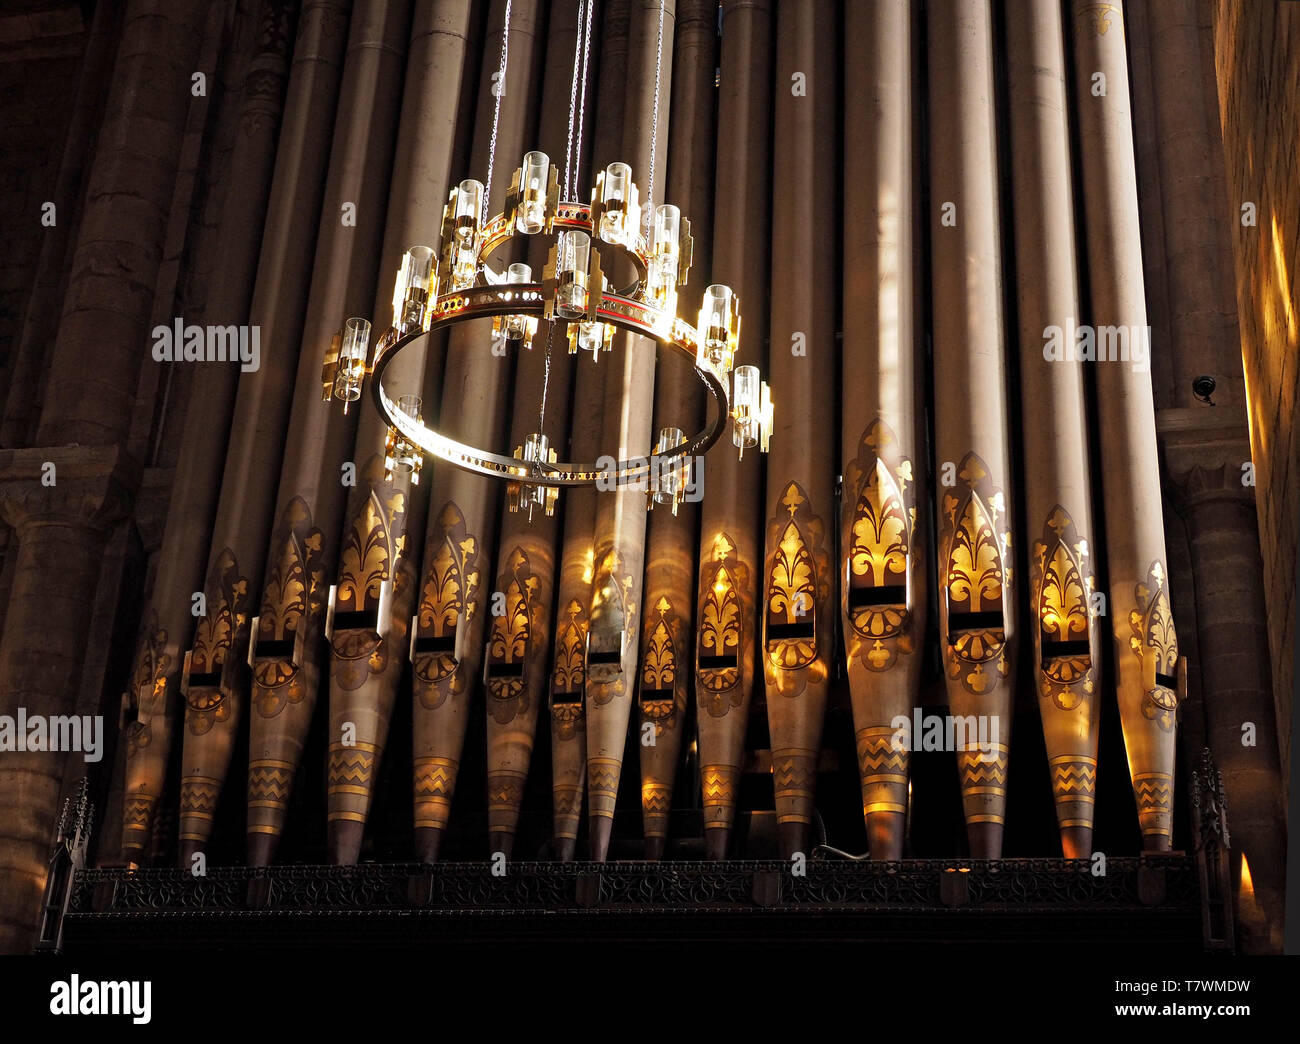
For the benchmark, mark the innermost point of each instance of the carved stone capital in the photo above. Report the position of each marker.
(92, 486)
(1204, 453)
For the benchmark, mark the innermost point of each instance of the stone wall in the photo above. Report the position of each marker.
(1257, 55)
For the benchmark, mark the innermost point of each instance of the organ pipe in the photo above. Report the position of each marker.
(977, 610)
(663, 679)
(618, 539)
(1059, 535)
(798, 617)
(452, 601)
(882, 535)
(1141, 621)
(519, 641)
(375, 588)
(729, 563)
(303, 552)
(152, 700)
(215, 679)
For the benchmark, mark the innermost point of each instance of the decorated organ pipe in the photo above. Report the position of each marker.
(972, 458)
(288, 654)
(373, 597)
(519, 639)
(215, 677)
(456, 586)
(567, 699)
(1058, 530)
(664, 679)
(730, 561)
(1148, 668)
(798, 621)
(882, 572)
(153, 700)
(618, 539)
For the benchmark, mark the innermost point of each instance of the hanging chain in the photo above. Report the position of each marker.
(654, 124)
(573, 103)
(499, 88)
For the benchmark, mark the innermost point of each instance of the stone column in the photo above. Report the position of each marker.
(977, 612)
(729, 559)
(96, 360)
(1205, 449)
(882, 537)
(664, 680)
(1059, 534)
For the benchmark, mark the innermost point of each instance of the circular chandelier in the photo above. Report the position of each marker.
(604, 272)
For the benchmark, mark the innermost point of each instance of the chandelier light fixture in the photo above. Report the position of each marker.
(608, 268)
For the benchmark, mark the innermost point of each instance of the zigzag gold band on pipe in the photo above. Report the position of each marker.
(453, 599)
(664, 676)
(290, 651)
(1063, 627)
(383, 517)
(168, 623)
(1146, 642)
(527, 556)
(216, 679)
(977, 610)
(729, 562)
(882, 541)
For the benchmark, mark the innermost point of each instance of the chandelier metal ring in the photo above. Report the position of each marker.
(485, 302)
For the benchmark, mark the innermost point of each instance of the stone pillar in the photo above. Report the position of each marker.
(1059, 533)
(1206, 450)
(96, 360)
(730, 560)
(977, 612)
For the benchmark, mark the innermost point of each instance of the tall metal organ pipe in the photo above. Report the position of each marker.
(303, 552)
(452, 602)
(618, 539)
(1053, 414)
(799, 579)
(729, 563)
(1146, 643)
(977, 610)
(882, 533)
(664, 680)
(215, 678)
(153, 698)
(375, 588)
(519, 641)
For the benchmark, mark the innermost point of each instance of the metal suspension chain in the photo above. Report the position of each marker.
(654, 123)
(496, 110)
